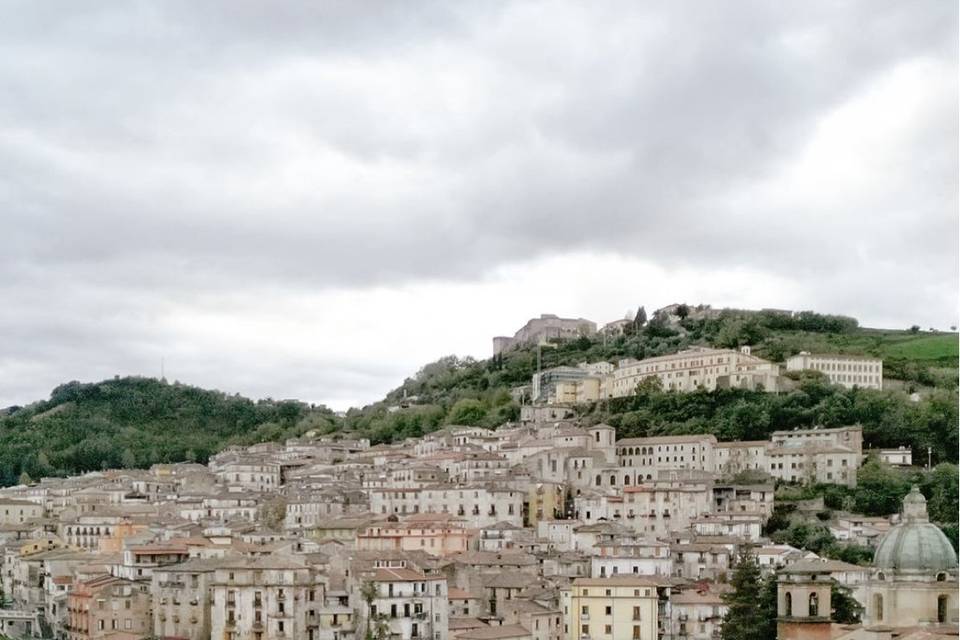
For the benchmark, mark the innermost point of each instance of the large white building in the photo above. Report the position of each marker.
(410, 604)
(848, 371)
(692, 369)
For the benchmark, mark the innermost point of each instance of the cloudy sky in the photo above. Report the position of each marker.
(313, 199)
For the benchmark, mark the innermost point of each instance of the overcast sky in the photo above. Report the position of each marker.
(310, 200)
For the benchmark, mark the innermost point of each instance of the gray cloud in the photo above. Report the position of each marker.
(161, 154)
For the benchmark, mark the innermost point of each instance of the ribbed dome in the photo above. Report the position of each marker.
(915, 545)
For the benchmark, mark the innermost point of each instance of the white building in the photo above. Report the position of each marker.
(410, 604)
(848, 371)
(695, 368)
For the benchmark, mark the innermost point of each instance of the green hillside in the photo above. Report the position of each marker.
(465, 391)
(136, 422)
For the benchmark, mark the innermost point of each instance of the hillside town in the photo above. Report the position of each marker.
(687, 370)
(544, 529)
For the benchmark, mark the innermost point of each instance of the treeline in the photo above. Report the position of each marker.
(136, 422)
(889, 418)
(879, 492)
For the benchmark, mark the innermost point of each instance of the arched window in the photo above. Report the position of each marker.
(613, 480)
(626, 479)
(599, 480)
(942, 609)
(814, 605)
(878, 607)
(941, 577)
(788, 605)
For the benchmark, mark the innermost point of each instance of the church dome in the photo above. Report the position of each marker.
(915, 545)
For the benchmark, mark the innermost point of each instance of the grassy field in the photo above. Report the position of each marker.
(919, 347)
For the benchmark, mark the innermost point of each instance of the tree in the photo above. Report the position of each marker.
(749, 610)
(43, 463)
(880, 488)
(650, 384)
(940, 487)
(640, 319)
(273, 513)
(128, 460)
(915, 329)
(368, 593)
(682, 311)
(467, 411)
(25, 478)
(844, 608)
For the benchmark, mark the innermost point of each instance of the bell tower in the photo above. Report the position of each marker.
(803, 602)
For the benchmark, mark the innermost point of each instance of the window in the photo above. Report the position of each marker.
(788, 605)
(814, 605)
(608, 629)
(878, 607)
(942, 609)
(609, 611)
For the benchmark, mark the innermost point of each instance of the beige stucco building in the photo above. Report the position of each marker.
(692, 369)
(615, 608)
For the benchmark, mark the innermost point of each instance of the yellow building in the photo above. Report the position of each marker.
(546, 501)
(615, 608)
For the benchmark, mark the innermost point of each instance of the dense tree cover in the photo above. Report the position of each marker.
(879, 492)
(889, 418)
(136, 422)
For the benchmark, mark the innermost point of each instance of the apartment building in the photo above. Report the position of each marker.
(731, 458)
(435, 537)
(614, 608)
(181, 600)
(658, 508)
(847, 371)
(19, 511)
(632, 560)
(816, 455)
(310, 509)
(699, 561)
(476, 506)
(269, 598)
(697, 615)
(642, 459)
(409, 604)
(253, 473)
(105, 605)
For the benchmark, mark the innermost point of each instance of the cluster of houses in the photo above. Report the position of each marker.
(539, 530)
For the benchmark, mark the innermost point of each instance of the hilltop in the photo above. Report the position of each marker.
(456, 390)
(136, 422)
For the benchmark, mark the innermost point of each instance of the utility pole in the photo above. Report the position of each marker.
(929, 457)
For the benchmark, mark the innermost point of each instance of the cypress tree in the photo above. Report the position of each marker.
(750, 615)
